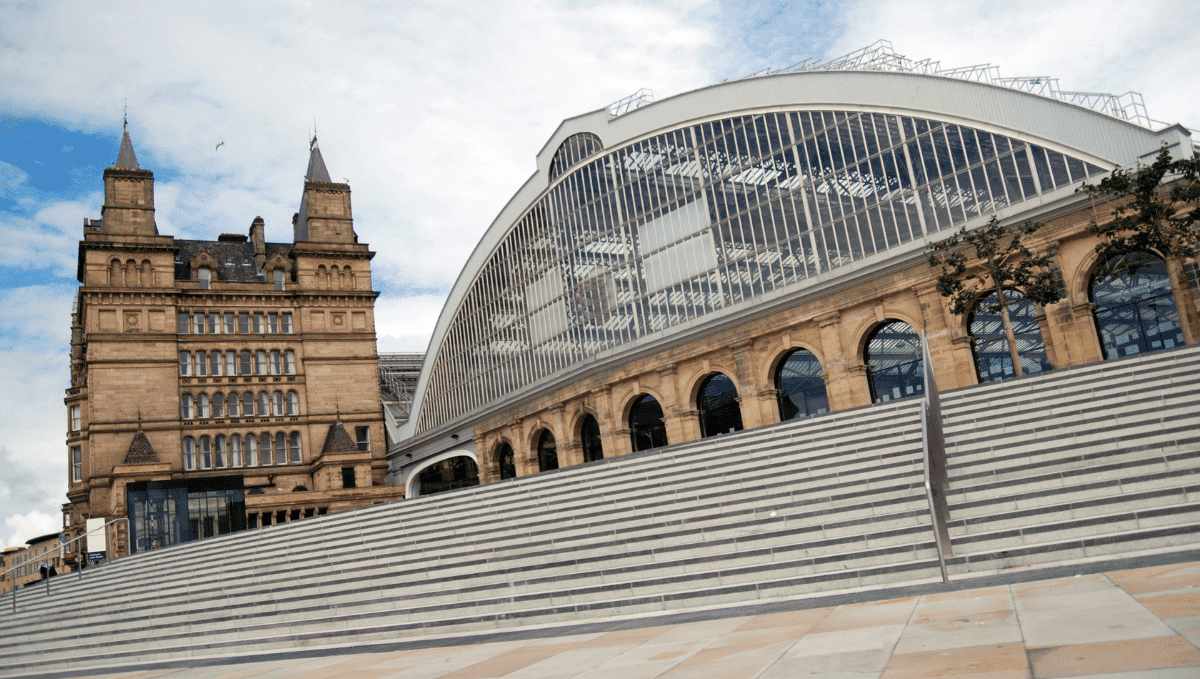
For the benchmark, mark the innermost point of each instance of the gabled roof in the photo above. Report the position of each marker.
(140, 451)
(235, 260)
(338, 440)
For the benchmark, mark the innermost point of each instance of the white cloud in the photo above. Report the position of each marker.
(406, 324)
(25, 527)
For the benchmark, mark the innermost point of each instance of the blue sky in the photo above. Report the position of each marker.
(432, 112)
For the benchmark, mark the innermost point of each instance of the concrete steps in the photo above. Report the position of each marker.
(1083, 463)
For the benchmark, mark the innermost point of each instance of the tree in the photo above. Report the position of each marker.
(1008, 266)
(1147, 216)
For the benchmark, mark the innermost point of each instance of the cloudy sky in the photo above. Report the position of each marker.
(432, 111)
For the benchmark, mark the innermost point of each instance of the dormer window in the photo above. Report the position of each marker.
(204, 275)
(278, 274)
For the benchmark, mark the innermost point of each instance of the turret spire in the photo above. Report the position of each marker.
(125, 157)
(316, 164)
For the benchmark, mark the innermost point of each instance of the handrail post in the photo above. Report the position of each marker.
(933, 443)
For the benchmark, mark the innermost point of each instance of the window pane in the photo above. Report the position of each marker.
(230, 325)
(287, 322)
(272, 323)
(244, 322)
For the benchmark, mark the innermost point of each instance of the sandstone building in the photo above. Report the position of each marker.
(221, 385)
(753, 252)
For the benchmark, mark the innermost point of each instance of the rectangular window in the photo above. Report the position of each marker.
(182, 323)
(214, 323)
(244, 322)
(363, 436)
(348, 478)
(260, 362)
(247, 366)
(230, 323)
(286, 319)
(214, 363)
(201, 363)
(258, 323)
(76, 463)
(76, 418)
(198, 322)
(289, 362)
(231, 362)
(272, 323)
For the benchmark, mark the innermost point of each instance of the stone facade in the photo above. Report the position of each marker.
(835, 328)
(282, 332)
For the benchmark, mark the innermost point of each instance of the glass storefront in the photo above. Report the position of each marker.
(164, 513)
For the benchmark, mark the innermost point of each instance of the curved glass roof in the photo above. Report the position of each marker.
(572, 151)
(709, 216)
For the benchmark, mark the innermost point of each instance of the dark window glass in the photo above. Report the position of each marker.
(504, 460)
(244, 322)
(718, 406)
(1135, 309)
(993, 360)
(182, 322)
(456, 472)
(589, 434)
(646, 426)
(893, 358)
(348, 477)
(799, 386)
(547, 452)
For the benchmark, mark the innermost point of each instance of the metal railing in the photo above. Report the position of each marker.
(62, 550)
(933, 443)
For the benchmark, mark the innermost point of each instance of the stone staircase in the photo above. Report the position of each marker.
(829, 504)
(1083, 463)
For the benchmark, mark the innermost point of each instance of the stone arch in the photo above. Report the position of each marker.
(627, 404)
(718, 404)
(116, 273)
(862, 333)
(412, 474)
(647, 433)
(322, 277)
(147, 274)
(498, 464)
(583, 439)
(711, 368)
(894, 378)
(1140, 317)
(805, 398)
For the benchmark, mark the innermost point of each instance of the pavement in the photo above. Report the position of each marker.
(1134, 623)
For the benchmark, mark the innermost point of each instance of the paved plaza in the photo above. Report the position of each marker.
(1120, 624)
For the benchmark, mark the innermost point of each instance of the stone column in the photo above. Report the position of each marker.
(753, 413)
(952, 367)
(845, 381)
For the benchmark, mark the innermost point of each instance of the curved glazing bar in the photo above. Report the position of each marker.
(572, 151)
(671, 228)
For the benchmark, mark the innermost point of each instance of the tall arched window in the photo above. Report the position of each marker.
(246, 366)
(281, 448)
(185, 407)
(247, 404)
(202, 410)
(504, 460)
(235, 450)
(219, 452)
(201, 363)
(1135, 312)
(294, 447)
(230, 362)
(185, 363)
(277, 403)
(251, 451)
(800, 387)
(547, 452)
(646, 427)
(205, 453)
(289, 362)
(189, 453)
(893, 358)
(260, 362)
(264, 406)
(589, 436)
(233, 404)
(293, 403)
(264, 447)
(717, 402)
(993, 361)
(218, 405)
(275, 367)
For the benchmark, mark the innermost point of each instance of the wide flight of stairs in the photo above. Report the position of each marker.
(1098, 460)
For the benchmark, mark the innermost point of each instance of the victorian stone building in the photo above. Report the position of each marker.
(221, 385)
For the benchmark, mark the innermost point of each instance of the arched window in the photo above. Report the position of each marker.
(277, 403)
(204, 275)
(289, 362)
(231, 362)
(993, 360)
(205, 453)
(547, 451)
(293, 403)
(294, 447)
(218, 405)
(893, 358)
(201, 363)
(233, 404)
(202, 410)
(251, 451)
(275, 368)
(264, 446)
(247, 404)
(280, 448)
(189, 453)
(185, 408)
(185, 363)
(504, 460)
(589, 436)
(573, 150)
(646, 426)
(264, 406)
(133, 276)
(147, 273)
(219, 452)
(456, 472)
(235, 450)
(322, 277)
(718, 406)
(116, 275)
(260, 362)
(247, 365)
(1135, 312)
(800, 388)
(214, 363)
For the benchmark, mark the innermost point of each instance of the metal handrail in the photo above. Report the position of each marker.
(62, 548)
(933, 444)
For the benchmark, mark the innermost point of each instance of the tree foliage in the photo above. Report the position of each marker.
(1147, 215)
(1008, 266)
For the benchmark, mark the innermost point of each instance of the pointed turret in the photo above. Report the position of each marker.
(126, 159)
(324, 215)
(128, 194)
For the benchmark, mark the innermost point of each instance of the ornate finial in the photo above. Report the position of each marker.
(337, 405)
(313, 142)
(126, 115)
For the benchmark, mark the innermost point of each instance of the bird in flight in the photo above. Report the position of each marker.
(219, 146)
